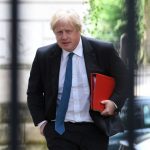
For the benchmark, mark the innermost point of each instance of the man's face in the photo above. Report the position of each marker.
(67, 35)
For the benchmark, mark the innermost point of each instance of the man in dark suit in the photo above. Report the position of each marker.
(47, 85)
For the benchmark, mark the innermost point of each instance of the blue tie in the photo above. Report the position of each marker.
(63, 105)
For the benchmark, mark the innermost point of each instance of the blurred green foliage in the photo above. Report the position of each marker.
(107, 19)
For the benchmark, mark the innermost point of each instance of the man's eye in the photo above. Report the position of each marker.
(59, 32)
(68, 31)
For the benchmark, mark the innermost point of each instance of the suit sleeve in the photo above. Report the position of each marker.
(35, 93)
(119, 71)
(111, 64)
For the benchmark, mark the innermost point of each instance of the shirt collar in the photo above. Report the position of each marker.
(78, 50)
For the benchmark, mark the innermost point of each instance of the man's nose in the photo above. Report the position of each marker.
(64, 35)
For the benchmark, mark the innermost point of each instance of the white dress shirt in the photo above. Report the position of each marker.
(79, 102)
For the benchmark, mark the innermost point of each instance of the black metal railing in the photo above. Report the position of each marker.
(14, 119)
(132, 49)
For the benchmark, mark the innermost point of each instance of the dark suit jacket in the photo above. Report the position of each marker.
(100, 57)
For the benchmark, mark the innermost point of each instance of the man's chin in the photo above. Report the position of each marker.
(67, 48)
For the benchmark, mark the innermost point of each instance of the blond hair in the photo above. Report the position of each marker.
(69, 16)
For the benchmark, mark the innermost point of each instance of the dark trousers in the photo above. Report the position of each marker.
(77, 136)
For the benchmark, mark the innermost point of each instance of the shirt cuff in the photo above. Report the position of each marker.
(41, 123)
(115, 106)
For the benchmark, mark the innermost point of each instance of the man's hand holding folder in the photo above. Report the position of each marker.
(109, 108)
(102, 87)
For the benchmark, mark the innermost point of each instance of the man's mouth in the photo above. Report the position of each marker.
(65, 43)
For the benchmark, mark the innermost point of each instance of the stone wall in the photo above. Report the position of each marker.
(29, 137)
(34, 27)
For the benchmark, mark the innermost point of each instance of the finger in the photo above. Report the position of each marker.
(104, 101)
(105, 112)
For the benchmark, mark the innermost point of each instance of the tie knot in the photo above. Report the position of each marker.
(70, 55)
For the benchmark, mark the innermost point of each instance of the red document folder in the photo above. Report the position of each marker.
(102, 87)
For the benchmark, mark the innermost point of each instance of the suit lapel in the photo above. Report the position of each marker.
(90, 58)
(53, 69)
